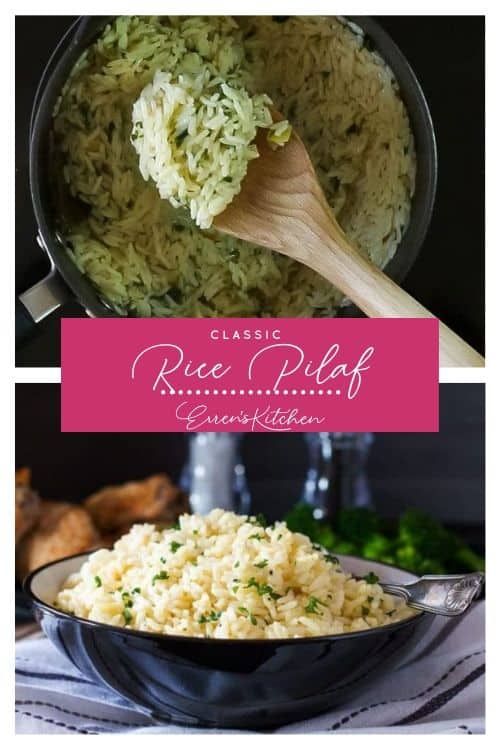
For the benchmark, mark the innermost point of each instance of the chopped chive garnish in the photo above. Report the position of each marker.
(174, 546)
(371, 578)
(256, 536)
(127, 615)
(331, 558)
(161, 576)
(312, 606)
(261, 564)
(137, 590)
(250, 616)
(127, 599)
(162, 560)
(98, 581)
(212, 617)
(260, 519)
(262, 588)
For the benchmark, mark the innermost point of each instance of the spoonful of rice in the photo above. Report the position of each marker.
(281, 206)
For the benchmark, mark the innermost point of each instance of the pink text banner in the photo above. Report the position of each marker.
(249, 375)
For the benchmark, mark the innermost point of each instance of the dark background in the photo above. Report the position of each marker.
(447, 55)
(442, 472)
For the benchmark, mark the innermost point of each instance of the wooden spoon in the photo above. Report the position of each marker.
(282, 206)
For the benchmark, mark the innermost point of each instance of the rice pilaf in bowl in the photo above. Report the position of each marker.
(225, 576)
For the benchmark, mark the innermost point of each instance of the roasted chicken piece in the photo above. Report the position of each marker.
(23, 477)
(156, 499)
(63, 529)
(27, 504)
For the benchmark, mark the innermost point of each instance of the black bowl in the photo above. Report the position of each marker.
(246, 684)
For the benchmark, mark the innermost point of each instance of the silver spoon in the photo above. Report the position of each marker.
(448, 595)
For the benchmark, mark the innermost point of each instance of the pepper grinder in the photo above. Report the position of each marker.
(336, 477)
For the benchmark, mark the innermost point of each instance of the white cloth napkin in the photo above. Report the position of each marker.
(439, 690)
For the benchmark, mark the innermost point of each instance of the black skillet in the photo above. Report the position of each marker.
(65, 280)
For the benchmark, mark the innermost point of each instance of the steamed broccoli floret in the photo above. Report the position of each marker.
(357, 525)
(379, 547)
(346, 548)
(425, 546)
(420, 544)
(301, 519)
(409, 557)
(468, 560)
(417, 529)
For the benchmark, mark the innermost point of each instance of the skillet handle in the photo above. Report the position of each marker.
(25, 325)
(37, 302)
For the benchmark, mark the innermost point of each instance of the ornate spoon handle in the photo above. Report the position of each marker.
(448, 595)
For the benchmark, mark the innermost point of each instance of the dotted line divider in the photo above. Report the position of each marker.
(249, 392)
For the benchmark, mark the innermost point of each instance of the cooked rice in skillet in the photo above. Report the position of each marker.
(147, 258)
